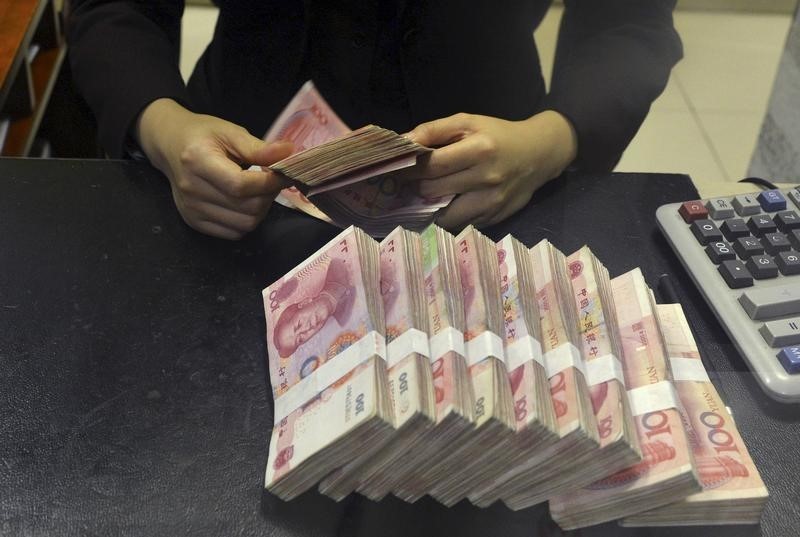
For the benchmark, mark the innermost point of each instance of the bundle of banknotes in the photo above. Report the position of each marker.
(460, 368)
(345, 177)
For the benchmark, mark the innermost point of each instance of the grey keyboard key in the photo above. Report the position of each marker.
(788, 262)
(762, 267)
(781, 333)
(719, 252)
(720, 208)
(794, 238)
(776, 242)
(735, 274)
(734, 228)
(747, 205)
(762, 224)
(746, 247)
(770, 302)
(794, 195)
(706, 231)
(787, 220)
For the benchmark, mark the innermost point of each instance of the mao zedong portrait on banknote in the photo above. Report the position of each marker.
(301, 320)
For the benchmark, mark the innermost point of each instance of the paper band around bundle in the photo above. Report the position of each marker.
(370, 345)
(653, 398)
(485, 345)
(522, 350)
(688, 369)
(410, 341)
(604, 368)
(562, 357)
(449, 339)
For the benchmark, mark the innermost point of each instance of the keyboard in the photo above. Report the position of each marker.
(743, 253)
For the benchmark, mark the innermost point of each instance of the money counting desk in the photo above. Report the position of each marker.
(134, 393)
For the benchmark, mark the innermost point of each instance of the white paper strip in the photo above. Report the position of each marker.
(484, 345)
(604, 368)
(564, 356)
(372, 344)
(653, 397)
(522, 350)
(412, 340)
(449, 339)
(688, 369)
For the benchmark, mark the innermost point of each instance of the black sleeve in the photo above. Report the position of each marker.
(613, 59)
(123, 56)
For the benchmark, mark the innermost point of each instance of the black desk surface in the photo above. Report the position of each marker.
(133, 389)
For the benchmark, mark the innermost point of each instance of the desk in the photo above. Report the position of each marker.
(133, 392)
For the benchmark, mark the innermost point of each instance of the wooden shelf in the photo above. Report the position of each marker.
(32, 50)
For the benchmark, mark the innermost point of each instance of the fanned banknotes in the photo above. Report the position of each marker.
(325, 338)
(667, 471)
(472, 462)
(455, 400)
(536, 426)
(457, 367)
(593, 301)
(408, 360)
(733, 492)
(346, 174)
(527, 484)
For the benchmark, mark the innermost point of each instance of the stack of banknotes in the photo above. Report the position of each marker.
(460, 368)
(345, 177)
(329, 379)
(348, 159)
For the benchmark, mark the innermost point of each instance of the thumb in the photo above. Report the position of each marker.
(251, 150)
(443, 131)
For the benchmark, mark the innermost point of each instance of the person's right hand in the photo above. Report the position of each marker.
(203, 157)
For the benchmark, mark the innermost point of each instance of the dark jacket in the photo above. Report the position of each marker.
(423, 60)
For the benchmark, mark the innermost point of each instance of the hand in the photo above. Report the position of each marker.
(492, 165)
(203, 156)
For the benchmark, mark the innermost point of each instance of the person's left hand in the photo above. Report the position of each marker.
(492, 165)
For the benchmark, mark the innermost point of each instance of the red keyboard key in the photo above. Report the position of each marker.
(693, 210)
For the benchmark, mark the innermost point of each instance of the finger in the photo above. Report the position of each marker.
(199, 189)
(470, 208)
(506, 211)
(450, 159)
(244, 148)
(248, 149)
(216, 230)
(228, 177)
(457, 183)
(221, 216)
(442, 131)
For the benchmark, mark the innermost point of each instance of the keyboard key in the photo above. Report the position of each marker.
(706, 231)
(787, 220)
(761, 224)
(772, 200)
(794, 238)
(693, 210)
(719, 252)
(788, 262)
(746, 205)
(735, 274)
(794, 195)
(747, 247)
(734, 228)
(775, 243)
(762, 267)
(782, 333)
(720, 208)
(770, 302)
(789, 358)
